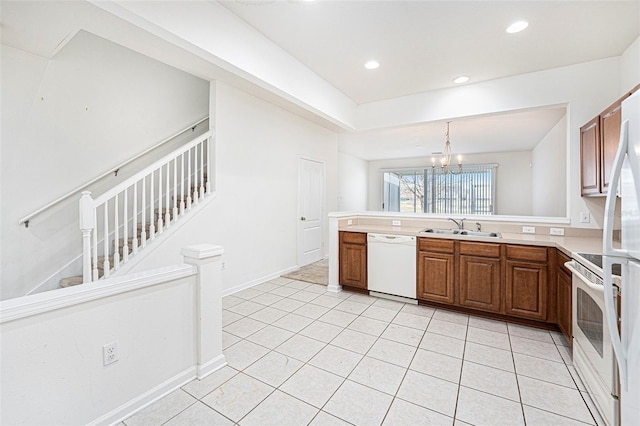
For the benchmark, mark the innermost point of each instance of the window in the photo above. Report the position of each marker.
(431, 190)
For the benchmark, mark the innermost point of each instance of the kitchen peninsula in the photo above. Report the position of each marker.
(513, 276)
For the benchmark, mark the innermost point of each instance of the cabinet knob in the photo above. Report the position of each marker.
(303, 218)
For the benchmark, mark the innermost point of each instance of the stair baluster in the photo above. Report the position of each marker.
(160, 223)
(179, 195)
(182, 185)
(167, 215)
(189, 201)
(106, 265)
(175, 189)
(125, 227)
(134, 227)
(95, 246)
(116, 239)
(201, 170)
(143, 233)
(152, 229)
(208, 184)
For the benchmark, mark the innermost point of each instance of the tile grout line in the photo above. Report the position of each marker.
(515, 371)
(378, 337)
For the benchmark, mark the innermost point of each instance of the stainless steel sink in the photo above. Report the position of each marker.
(463, 232)
(443, 231)
(480, 234)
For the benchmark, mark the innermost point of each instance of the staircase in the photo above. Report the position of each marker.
(117, 225)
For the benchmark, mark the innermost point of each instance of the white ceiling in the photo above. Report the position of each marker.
(516, 131)
(424, 45)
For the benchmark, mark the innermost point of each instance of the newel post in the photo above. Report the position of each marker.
(208, 259)
(87, 224)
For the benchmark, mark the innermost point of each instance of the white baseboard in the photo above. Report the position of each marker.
(257, 281)
(207, 368)
(144, 400)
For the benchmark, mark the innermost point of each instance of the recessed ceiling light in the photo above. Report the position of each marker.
(517, 26)
(371, 65)
(461, 79)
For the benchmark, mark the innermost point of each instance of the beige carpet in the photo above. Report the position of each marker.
(317, 273)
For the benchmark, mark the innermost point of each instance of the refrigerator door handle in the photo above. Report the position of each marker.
(610, 206)
(611, 314)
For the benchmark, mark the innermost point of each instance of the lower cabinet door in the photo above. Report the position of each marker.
(435, 277)
(526, 290)
(480, 283)
(353, 265)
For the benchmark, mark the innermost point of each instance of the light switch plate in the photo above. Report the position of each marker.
(528, 229)
(556, 231)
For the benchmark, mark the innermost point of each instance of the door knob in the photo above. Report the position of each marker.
(303, 218)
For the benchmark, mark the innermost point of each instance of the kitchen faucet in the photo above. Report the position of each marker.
(460, 224)
(478, 227)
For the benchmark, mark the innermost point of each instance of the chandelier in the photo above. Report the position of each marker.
(445, 160)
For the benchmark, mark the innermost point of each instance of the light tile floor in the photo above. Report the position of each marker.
(299, 355)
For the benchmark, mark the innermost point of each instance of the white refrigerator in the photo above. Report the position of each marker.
(625, 183)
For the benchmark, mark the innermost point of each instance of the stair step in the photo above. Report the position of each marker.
(71, 281)
(77, 280)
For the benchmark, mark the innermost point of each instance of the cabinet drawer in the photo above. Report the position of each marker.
(353, 237)
(435, 245)
(480, 249)
(530, 253)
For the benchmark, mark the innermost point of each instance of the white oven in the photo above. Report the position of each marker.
(593, 355)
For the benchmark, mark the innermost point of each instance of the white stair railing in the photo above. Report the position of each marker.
(134, 208)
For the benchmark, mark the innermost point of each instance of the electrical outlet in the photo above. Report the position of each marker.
(395, 223)
(528, 229)
(222, 265)
(110, 353)
(349, 222)
(585, 217)
(556, 231)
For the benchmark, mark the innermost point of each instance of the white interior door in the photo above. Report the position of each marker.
(311, 211)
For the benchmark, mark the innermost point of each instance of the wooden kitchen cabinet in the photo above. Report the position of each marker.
(526, 282)
(352, 252)
(610, 121)
(599, 140)
(590, 157)
(435, 270)
(564, 299)
(480, 276)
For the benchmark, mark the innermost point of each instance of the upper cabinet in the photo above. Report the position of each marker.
(598, 145)
(590, 157)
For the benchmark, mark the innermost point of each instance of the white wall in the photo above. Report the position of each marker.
(353, 173)
(254, 215)
(630, 67)
(513, 196)
(52, 369)
(64, 122)
(212, 32)
(549, 172)
(586, 88)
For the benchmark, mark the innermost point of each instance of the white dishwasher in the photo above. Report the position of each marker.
(391, 264)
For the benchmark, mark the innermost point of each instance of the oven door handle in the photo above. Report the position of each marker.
(611, 314)
(582, 278)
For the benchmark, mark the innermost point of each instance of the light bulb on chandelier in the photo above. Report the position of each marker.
(445, 160)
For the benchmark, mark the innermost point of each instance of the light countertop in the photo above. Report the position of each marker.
(566, 244)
